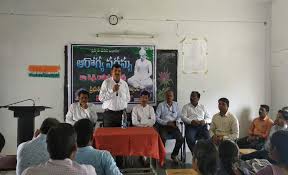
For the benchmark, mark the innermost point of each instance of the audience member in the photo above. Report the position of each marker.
(258, 131)
(205, 158)
(62, 147)
(196, 119)
(81, 109)
(35, 151)
(224, 124)
(143, 114)
(167, 116)
(279, 124)
(101, 160)
(279, 153)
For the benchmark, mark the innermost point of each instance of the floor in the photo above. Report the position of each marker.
(133, 165)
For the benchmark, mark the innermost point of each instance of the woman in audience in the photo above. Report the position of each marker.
(229, 157)
(279, 153)
(205, 158)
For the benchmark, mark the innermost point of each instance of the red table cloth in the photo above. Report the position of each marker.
(132, 141)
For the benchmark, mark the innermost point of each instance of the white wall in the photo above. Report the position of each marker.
(279, 54)
(35, 32)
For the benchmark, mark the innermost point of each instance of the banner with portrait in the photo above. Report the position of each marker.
(90, 64)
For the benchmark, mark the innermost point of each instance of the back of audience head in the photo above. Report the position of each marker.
(47, 124)
(84, 129)
(279, 145)
(2, 142)
(228, 154)
(205, 157)
(61, 142)
(282, 118)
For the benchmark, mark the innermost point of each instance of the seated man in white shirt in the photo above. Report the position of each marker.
(143, 115)
(62, 147)
(81, 109)
(196, 119)
(224, 124)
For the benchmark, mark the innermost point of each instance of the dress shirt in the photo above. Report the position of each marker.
(101, 160)
(114, 101)
(166, 113)
(76, 112)
(261, 127)
(32, 153)
(226, 125)
(143, 116)
(274, 129)
(60, 167)
(190, 112)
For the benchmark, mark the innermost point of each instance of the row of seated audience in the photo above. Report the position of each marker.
(208, 160)
(61, 148)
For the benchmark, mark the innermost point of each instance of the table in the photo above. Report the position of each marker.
(246, 151)
(132, 141)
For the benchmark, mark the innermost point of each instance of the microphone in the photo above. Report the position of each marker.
(29, 99)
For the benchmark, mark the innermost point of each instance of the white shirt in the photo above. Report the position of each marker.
(76, 112)
(60, 167)
(190, 112)
(110, 99)
(143, 116)
(227, 126)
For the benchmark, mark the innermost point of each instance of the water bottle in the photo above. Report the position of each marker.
(124, 120)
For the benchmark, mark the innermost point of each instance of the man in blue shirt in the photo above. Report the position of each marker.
(167, 116)
(34, 152)
(101, 160)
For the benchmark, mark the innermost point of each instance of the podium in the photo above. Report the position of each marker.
(26, 115)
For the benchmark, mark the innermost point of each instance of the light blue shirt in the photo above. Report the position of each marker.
(165, 114)
(32, 153)
(101, 160)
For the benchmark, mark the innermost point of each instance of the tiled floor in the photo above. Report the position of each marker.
(135, 163)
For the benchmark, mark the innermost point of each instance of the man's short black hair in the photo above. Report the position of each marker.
(84, 129)
(284, 114)
(206, 154)
(224, 100)
(116, 66)
(61, 141)
(266, 107)
(195, 92)
(145, 93)
(83, 91)
(2, 142)
(47, 124)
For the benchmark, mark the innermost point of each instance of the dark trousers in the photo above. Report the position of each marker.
(255, 144)
(112, 118)
(194, 133)
(168, 132)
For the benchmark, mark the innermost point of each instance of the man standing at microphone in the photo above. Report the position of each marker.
(115, 96)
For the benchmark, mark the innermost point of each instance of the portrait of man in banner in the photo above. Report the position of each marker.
(142, 72)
